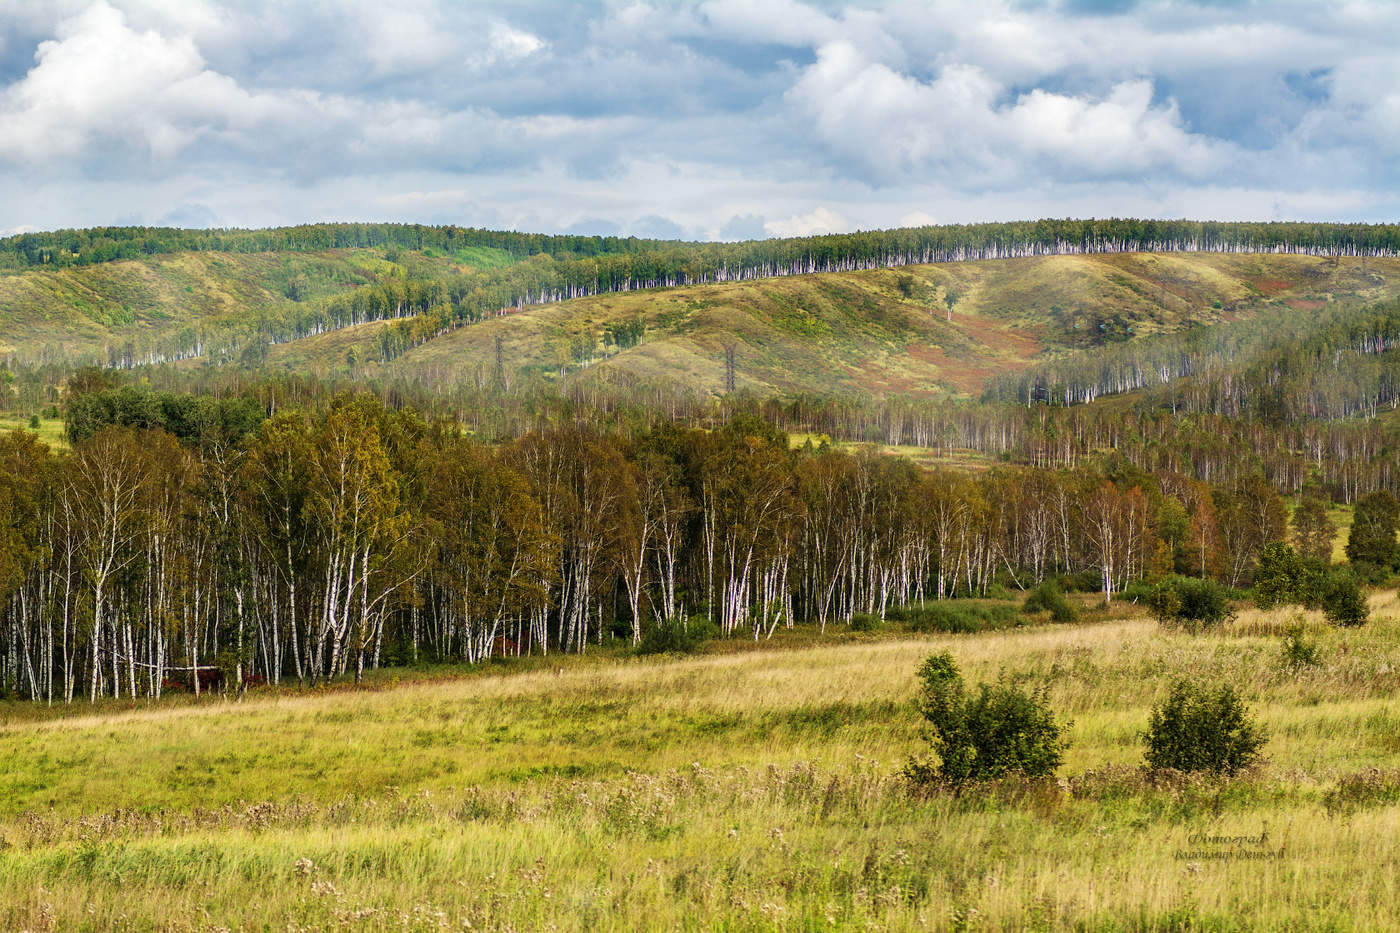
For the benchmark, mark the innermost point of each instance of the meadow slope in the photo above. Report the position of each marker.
(51, 312)
(744, 790)
(884, 332)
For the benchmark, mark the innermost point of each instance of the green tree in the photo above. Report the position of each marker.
(1284, 577)
(1343, 601)
(1371, 543)
(1313, 529)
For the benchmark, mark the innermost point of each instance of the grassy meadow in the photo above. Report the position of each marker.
(51, 430)
(744, 789)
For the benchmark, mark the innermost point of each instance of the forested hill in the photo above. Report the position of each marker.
(684, 262)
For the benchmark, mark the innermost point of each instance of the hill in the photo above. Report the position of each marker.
(128, 296)
(751, 789)
(166, 303)
(928, 330)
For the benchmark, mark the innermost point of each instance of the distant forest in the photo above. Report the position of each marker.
(682, 262)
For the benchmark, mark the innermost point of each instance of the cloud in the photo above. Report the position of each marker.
(654, 227)
(744, 227)
(819, 221)
(94, 80)
(738, 119)
(918, 219)
(190, 215)
(888, 125)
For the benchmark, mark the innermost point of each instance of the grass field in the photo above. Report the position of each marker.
(747, 789)
(50, 430)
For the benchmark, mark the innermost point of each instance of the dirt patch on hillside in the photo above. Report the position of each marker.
(1017, 344)
(929, 363)
(1271, 287)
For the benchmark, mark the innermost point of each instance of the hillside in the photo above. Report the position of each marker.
(928, 330)
(98, 309)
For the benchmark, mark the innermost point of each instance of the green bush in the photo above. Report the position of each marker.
(998, 731)
(1299, 651)
(1199, 728)
(1136, 591)
(956, 617)
(1086, 581)
(677, 636)
(1191, 602)
(1048, 597)
(999, 590)
(1343, 602)
(864, 622)
(1286, 578)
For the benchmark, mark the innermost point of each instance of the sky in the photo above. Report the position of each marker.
(723, 119)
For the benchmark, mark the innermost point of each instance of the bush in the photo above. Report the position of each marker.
(1086, 581)
(956, 617)
(1136, 591)
(1047, 597)
(998, 590)
(1285, 578)
(677, 636)
(999, 731)
(1299, 651)
(864, 622)
(1191, 602)
(1203, 729)
(1343, 602)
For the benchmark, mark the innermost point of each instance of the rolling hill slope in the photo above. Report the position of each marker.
(80, 310)
(929, 330)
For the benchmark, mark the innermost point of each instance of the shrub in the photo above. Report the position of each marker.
(1282, 578)
(864, 622)
(1086, 581)
(1199, 728)
(1047, 597)
(998, 731)
(1299, 651)
(956, 617)
(677, 636)
(998, 590)
(1191, 602)
(1343, 602)
(1136, 591)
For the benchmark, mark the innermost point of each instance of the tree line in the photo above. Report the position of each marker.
(718, 261)
(316, 544)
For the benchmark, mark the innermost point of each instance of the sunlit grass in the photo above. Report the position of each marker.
(50, 430)
(740, 790)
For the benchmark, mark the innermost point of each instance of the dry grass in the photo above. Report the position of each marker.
(743, 790)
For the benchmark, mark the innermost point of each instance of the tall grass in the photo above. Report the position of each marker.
(737, 791)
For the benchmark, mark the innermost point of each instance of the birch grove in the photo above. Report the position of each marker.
(319, 545)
